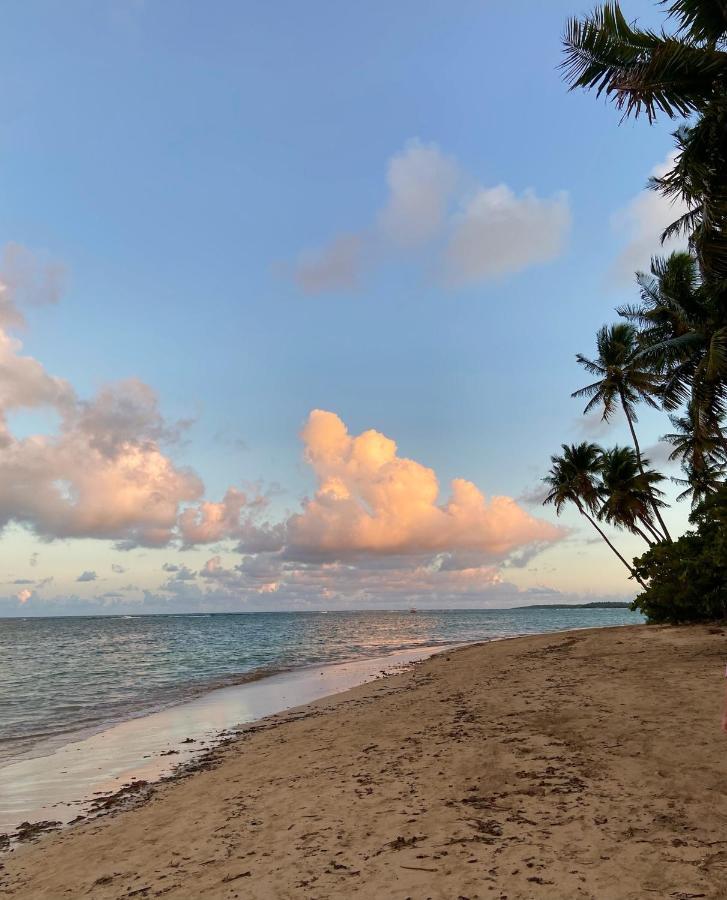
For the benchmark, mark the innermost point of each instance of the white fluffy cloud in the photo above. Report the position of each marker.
(463, 234)
(421, 182)
(641, 223)
(497, 232)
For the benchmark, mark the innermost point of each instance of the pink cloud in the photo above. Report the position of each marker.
(370, 500)
(209, 522)
(235, 517)
(103, 474)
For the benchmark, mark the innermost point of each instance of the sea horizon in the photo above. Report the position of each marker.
(606, 604)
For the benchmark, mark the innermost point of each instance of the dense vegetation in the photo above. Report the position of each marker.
(669, 349)
(688, 579)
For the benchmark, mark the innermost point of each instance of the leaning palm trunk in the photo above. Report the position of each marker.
(637, 448)
(647, 524)
(605, 537)
(643, 535)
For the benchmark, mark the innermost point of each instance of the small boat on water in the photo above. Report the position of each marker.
(413, 610)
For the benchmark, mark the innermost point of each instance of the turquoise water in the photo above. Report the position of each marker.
(63, 677)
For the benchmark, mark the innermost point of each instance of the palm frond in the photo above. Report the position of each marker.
(702, 20)
(641, 70)
(591, 366)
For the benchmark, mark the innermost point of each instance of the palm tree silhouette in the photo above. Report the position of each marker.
(622, 381)
(628, 493)
(574, 477)
(684, 75)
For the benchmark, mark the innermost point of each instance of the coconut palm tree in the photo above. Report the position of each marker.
(574, 477)
(628, 493)
(683, 74)
(622, 381)
(701, 481)
(693, 442)
(681, 334)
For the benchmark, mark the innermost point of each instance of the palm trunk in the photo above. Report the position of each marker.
(642, 535)
(647, 524)
(603, 535)
(637, 448)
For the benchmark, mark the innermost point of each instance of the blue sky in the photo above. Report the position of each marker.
(181, 159)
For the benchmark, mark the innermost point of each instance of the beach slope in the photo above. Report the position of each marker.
(584, 764)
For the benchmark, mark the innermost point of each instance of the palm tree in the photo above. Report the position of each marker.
(693, 441)
(682, 335)
(574, 477)
(628, 493)
(701, 481)
(683, 74)
(622, 382)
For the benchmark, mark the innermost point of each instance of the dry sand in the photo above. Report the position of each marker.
(580, 765)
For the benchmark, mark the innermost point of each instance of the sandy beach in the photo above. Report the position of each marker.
(585, 764)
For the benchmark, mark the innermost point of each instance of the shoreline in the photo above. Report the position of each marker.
(585, 764)
(150, 747)
(65, 778)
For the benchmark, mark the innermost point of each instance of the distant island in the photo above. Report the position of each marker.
(597, 605)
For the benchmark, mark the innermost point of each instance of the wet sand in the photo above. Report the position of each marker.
(63, 783)
(579, 765)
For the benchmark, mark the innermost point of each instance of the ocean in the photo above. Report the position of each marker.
(65, 678)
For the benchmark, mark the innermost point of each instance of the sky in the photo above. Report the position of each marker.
(290, 297)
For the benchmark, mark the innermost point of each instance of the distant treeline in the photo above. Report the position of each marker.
(598, 605)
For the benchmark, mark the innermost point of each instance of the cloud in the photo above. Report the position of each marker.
(260, 573)
(24, 384)
(371, 501)
(421, 181)
(102, 475)
(496, 232)
(593, 427)
(533, 495)
(374, 533)
(88, 575)
(658, 454)
(335, 267)
(120, 413)
(435, 213)
(234, 517)
(27, 279)
(375, 520)
(642, 222)
(181, 573)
